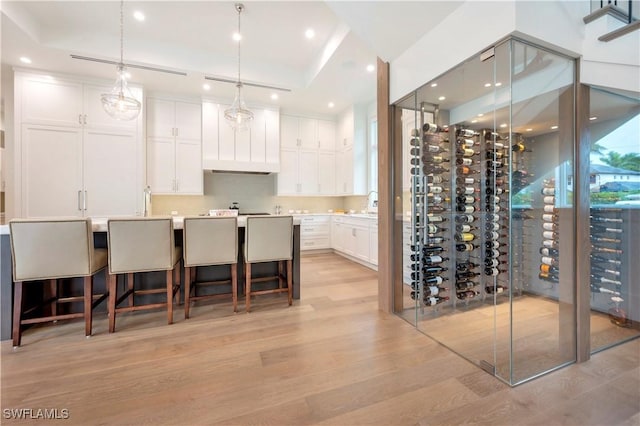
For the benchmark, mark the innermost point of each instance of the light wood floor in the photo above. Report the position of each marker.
(332, 358)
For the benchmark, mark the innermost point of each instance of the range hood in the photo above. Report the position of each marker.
(233, 166)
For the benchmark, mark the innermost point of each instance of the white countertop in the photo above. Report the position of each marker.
(99, 224)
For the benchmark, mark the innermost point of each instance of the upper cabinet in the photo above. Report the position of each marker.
(351, 152)
(256, 149)
(75, 160)
(308, 156)
(174, 147)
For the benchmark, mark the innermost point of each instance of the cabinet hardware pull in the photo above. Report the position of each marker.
(176, 131)
(79, 203)
(80, 119)
(84, 201)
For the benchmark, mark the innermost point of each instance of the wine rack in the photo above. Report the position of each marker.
(608, 280)
(549, 252)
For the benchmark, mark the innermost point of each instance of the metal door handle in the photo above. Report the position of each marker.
(79, 202)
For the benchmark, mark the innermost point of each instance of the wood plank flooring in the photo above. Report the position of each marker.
(331, 359)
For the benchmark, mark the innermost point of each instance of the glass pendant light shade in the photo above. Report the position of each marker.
(120, 103)
(238, 116)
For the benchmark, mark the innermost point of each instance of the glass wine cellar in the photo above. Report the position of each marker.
(489, 232)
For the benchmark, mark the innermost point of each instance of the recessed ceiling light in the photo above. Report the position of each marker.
(371, 68)
(593, 118)
(487, 85)
(25, 60)
(554, 127)
(441, 98)
(309, 33)
(474, 121)
(237, 36)
(480, 115)
(434, 84)
(206, 86)
(498, 84)
(127, 75)
(529, 130)
(331, 105)
(503, 125)
(274, 96)
(138, 15)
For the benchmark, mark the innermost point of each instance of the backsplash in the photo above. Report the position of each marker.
(254, 193)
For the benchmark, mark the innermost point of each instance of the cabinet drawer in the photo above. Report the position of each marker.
(305, 220)
(314, 229)
(315, 243)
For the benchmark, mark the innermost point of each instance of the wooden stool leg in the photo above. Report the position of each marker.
(290, 281)
(130, 284)
(280, 274)
(234, 286)
(170, 296)
(247, 290)
(17, 313)
(177, 281)
(187, 291)
(53, 293)
(112, 302)
(88, 301)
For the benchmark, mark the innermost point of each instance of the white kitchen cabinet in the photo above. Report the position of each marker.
(256, 149)
(299, 132)
(298, 172)
(326, 135)
(337, 233)
(315, 232)
(174, 141)
(356, 238)
(373, 243)
(361, 236)
(351, 152)
(307, 172)
(326, 173)
(75, 160)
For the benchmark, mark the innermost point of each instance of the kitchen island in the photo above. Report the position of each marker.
(33, 293)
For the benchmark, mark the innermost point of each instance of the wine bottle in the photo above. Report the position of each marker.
(462, 247)
(549, 269)
(492, 199)
(436, 199)
(466, 170)
(548, 217)
(465, 199)
(415, 141)
(520, 147)
(549, 277)
(602, 229)
(436, 269)
(495, 191)
(465, 142)
(548, 260)
(466, 274)
(521, 174)
(465, 161)
(434, 148)
(434, 300)
(433, 290)
(549, 199)
(434, 280)
(435, 240)
(495, 164)
(429, 168)
(606, 250)
(466, 190)
(605, 240)
(433, 128)
(493, 253)
(548, 191)
(493, 217)
(465, 208)
(493, 226)
(467, 133)
(464, 181)
(597, 289)
(550, 235)
(415, 171)
(435, 159)
(550, 209)
(601, 270)
(435, 179)
(495, 289)
(548, 251)
(603, 280)
(434, 260)
(605, 219)
(490, 173)
(492, 244)
(550, 243)
(463, 227)
(549, 226)
(434, 229)
(493, 181)
(493, 262)
(493, 235)
(466, 152)
(430, 250)
(467, 294)
(464, 237)
(493, 207)
(497, 145)
(436, 189)
(414, 152)
(492, 272)
(494, 155)
(436, 218)
(465, 218)
(437, 209)
(467, 265)
(465, 284)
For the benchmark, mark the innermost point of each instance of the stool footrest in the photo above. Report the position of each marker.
(141, 307)
(52, 318)
(275, 290)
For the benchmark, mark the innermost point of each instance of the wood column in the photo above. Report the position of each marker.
(385, 179)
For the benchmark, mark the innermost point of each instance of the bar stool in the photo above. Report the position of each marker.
(268, 239)
(142, 245)
(51, 250)
(209, 241)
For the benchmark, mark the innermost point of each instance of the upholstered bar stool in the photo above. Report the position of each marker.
(50, 250)
(209, 241)
(268, 239)
(142, 245)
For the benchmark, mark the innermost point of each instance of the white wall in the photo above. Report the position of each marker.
(6, 97)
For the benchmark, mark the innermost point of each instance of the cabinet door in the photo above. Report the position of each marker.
(161, 169)
(373, 243)
(308, 172)
(341, 186)
(326, 173)
(337, 236)
(188, 121)
(51, 101)
(272, 136)
(161, 118)
(289, 131)
(347, 170)
(361, 243)
(258, 137)
(327, 135)
(210, 130)
(227, 137)
(94, 113)
(308, 133)
(189, 174)
(51, 171)
(288, 176)
(111, 173)
(243, 145)
(348, 236)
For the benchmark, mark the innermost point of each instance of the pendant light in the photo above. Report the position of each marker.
(120, 103)
(238, 116)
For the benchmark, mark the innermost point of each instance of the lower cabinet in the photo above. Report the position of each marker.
(315, 232)
(356, 237)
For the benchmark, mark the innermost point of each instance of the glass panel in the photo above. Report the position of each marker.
(614, 129)
(542, 111)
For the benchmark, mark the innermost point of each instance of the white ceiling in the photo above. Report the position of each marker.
(195, 37)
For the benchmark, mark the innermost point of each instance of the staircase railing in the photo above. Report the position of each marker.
(626, 10)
